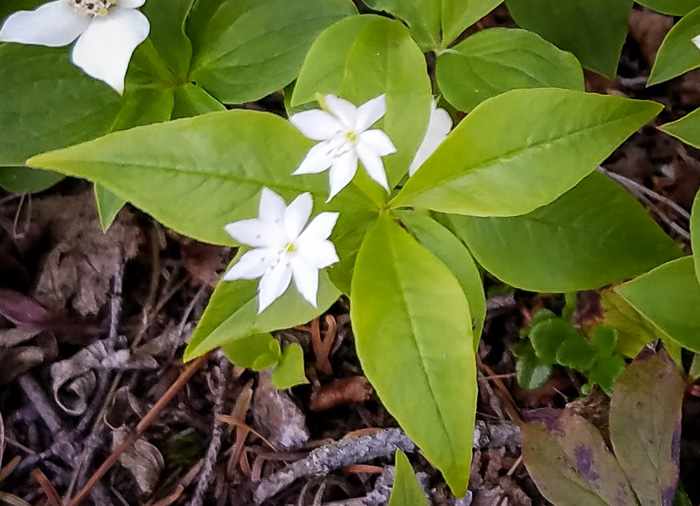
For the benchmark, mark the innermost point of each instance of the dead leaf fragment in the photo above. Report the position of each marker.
(277, 416)
(142, 460)
(340, 392)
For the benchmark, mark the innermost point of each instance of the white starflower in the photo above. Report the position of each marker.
(696, 41)
(285, 247)
(108, 32)
(346, 138)
(439, 127)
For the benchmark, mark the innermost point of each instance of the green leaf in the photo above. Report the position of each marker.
(458, 15)
(191, 100)
(25, 180)
(435, 24)
(361, 58)
(548, 336)
(232, 313)
(594, 235)
(571, 465)
(57, 103)
(633, 330)
(669, 297)
(167, 19)
(209, 170)
(450, 250)
(695, 233)
(531, 373)
(671, 7)
(246, 49)
(256, 351)
(606, 370)
(411, 323)
(645, 427)
(143, 106)
(677, 54)
(687, 129)
(576, 353)
(505, 159)
(290, 371)
(604, 339)
(570, 26)
(406, 490)
(497, 60)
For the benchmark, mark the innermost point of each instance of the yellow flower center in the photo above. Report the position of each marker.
(290, 248)
(92, 8)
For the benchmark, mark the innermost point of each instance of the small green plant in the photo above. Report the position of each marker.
(551, 340)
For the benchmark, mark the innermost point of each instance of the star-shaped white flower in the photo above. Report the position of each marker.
(696, 41)
(346, 138)
(108, 32)
(285, 247)
(439, 128)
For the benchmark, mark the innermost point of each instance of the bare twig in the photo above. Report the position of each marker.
(336, 455)
(140, 428)
(41, 403)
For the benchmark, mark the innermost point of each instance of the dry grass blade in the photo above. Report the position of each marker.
(13, 500)
(47, 487)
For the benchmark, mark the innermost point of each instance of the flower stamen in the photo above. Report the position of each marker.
(92, 8)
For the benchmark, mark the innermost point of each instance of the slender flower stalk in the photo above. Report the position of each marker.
(285, 247)
(107, 32)
(346, 139)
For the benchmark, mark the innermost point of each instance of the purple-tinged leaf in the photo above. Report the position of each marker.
(645, 426)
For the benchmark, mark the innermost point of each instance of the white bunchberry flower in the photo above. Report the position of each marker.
(285, 247)
(108, 32)
(696, 41)
(346, 138)
(439, 127)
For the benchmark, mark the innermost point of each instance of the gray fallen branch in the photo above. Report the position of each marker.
(355, 450)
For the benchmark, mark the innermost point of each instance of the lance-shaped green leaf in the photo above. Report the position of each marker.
(256, 351)
(361, 58)
(669, 297)
(414, 340)
(452, 252)
(191, 100)
(687, 128)
(570, 24)
(26, 180)
(436, 24)
(46, 103)
(645, 427)
(196, 175)
(167, 19)
(677, 53)
(246, 49)
(570, 464)
(695, 234)
(497, 60)
(232, 313)
(671, 7)
(406, 490)
(593, 235)
(522, 150)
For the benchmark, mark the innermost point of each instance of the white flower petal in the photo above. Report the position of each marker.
(53, 24)
(273, 284)
(379, 141)
(320, 228)
(345, 111)
(297, 215)
(257, 233)
(371, 112)
(130, 4)
(253, 264)
(319, 254)
(373, 164)
(316, 124)
(318, 159)
(342, 172)
(696, 41)
(272, 207)
(105, 49)
(305, 279)
(438, 130)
